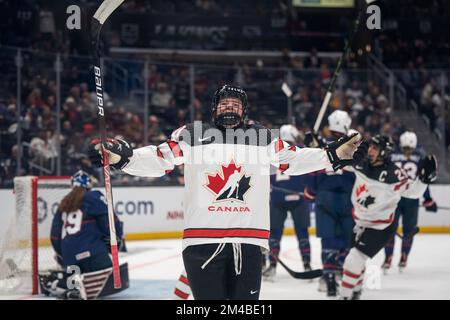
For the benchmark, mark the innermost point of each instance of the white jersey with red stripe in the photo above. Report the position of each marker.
(377, 191)
(182, 289)
(227, 178)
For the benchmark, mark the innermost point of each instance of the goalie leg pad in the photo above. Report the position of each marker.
(96, 289)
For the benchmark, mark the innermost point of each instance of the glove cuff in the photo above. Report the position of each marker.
(121, 164)
(336, 163)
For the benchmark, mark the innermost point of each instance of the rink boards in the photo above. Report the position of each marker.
(157, 212)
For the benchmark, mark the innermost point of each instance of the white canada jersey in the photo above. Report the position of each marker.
(377, 191)
(227, 181)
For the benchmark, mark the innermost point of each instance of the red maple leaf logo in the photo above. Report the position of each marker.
(218, 181)
(360, 190)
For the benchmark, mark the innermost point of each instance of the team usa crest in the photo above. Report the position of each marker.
(229, 183)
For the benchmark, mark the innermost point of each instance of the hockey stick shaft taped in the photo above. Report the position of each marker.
(106, 8)
(103, 12)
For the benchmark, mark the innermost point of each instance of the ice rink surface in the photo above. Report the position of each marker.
(155, 266)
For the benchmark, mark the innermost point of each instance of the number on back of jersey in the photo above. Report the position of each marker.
(72, 223)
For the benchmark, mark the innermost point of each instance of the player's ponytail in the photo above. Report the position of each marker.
(72, 201)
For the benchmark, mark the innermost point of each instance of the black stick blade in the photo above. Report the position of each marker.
(312, 274)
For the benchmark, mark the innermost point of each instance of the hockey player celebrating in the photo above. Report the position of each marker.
(282, 202)
(79, 236)
(377, 190)
(224, 231)
(332, 191)
(408, 159)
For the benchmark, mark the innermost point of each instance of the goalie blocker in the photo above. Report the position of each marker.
(87, 286)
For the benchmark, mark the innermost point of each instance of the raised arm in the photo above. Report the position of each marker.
(293, 160)
(149, 161)
(155, 161)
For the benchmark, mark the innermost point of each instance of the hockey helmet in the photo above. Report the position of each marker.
(289, 133)
(408, 139)
(82, 179)
(229, 118)
(339, 121)
(384, 144)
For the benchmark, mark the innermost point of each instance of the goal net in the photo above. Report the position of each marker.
(25, 248)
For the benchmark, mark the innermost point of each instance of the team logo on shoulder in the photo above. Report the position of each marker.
(229, 183)
(362, 196)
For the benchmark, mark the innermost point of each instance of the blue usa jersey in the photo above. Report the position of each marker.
(340, 181)
(80, 234)
(410, 164)
(295, 183)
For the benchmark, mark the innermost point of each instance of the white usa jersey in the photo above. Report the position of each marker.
(408, 163)
(227, 180)
(377, 191)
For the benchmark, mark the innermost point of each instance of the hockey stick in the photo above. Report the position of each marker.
(336, 73)
(440, 208)
(408, 236)
(312, 274)
(287, 191)
(103, 12)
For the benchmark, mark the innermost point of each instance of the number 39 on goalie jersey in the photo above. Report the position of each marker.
(81, 234)
(377, 191)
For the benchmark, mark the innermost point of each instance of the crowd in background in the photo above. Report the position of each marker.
(170, 87)
(170, 102)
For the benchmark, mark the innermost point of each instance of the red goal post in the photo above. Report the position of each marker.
(25, 248)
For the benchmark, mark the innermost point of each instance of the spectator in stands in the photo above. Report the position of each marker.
(354, 91)
(134, 129)
(161, 98)
(313, 60)
(430, 103)
(155, 134)
(9, 168)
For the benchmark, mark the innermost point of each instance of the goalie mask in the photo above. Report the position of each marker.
(231, 118)
(82, 179)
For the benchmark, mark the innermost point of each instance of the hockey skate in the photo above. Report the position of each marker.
(402, 263)
(331, 284)
(386, 264)
(356, 295)
(307, 266)
(269, 273)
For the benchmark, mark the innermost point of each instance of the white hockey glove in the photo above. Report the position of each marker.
(119, 152)
(342, 152)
